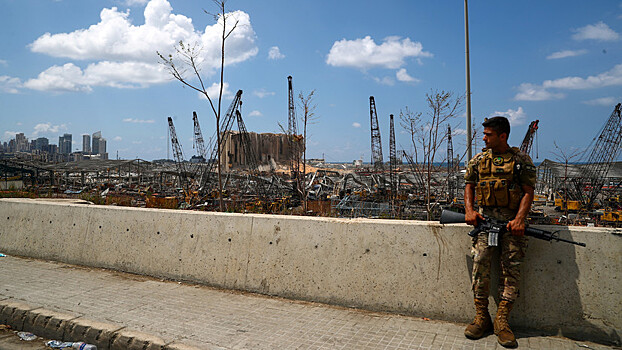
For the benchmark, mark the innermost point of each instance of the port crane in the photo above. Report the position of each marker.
(525, 146)
(198, 144)
(178, 154)
(392, 159)
(376, 144)
(606, 148)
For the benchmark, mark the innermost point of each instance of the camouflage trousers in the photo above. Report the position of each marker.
(511, 257)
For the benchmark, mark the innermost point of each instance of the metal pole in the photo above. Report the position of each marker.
(468, 81)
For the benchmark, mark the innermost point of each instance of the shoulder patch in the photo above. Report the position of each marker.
(477, 158)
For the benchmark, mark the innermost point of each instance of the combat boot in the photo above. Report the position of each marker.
(482, 323)
(504, 334)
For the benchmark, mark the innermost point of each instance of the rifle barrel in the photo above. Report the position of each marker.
(569, 241)
(451, 217)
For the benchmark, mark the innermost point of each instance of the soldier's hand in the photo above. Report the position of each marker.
(516, 227)
(472, 217)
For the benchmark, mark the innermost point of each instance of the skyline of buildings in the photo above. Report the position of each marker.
(61, 152)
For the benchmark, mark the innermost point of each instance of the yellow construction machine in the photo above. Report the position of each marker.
(563, 204)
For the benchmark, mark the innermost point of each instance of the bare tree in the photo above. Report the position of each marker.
(308, 116)
(428, 136)
(189, 59)
(565, 157)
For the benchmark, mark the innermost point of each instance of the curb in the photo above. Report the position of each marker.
(73, 327)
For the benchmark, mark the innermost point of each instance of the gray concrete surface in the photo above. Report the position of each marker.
(406, 267)
(126, 311)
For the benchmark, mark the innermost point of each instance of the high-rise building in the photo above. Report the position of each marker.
(51, 149)
(41, 143)
(86, 143)
(99, 143)
(64, 144)
(21, 143)
(102, 145)
(96, 137)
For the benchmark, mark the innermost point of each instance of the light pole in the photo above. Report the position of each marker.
(468, 80)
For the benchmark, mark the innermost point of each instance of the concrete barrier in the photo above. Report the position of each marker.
(409, 267)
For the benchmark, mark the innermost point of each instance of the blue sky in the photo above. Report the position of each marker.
(79, 66)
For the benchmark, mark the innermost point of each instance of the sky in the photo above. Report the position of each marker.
(81, 66)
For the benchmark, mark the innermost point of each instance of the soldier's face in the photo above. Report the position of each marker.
(494, 140)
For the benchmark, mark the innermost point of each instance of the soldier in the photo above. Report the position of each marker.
(502, 178)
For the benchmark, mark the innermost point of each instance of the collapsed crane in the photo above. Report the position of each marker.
(225, 125)
(525, 146)
(249, 151)
(392, 158)
(376, 143)
(178, 154)
(588, 185)
(198, 144)
(292, 130)
(252, 160)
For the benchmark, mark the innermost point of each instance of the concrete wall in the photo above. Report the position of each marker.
(409, 267)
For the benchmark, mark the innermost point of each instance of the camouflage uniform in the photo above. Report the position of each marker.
(519, 171)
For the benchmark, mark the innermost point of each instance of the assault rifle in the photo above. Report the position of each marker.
(496, 227)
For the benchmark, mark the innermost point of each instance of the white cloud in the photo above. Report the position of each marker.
(70, 77)
(139, 121)
(599, 31)
(565, 53)
(261, 93)
(532, 92)
(356, 125)
(516, 117)
(124, 74)
(135, 2)
(10, 85)
(402, 75)
(275, 53)
(609, 78)
(117, 138)
(255, 113)
(4, 63)
(124, 53)
(384, 81)
(603, 101)
(47, 128)
(365, 53)
(214, 90)
(8, 135)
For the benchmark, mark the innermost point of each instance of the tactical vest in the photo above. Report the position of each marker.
(498, 185)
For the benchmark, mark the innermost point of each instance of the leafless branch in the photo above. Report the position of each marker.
(189, 56)
(429, 134)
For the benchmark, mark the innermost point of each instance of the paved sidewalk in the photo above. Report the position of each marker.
(208, 318)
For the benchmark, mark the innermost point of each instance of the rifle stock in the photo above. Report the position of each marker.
(452, 217)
